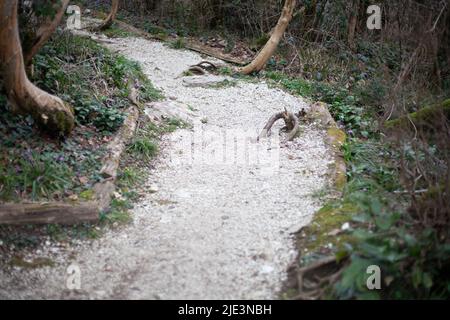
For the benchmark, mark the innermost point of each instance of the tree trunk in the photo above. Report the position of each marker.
(261, 59)
(352, 24)
(111, 17)
(44, 32)
(49, 112)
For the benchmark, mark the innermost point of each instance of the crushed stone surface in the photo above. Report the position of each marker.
(207, 228)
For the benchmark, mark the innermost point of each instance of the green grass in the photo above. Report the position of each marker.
(177, 44)
(95, 81)
(37, 177)
(143, 147)
(116, 32)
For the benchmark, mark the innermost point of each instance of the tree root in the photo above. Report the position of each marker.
(291, 121)
(202, 68)
(313, 280)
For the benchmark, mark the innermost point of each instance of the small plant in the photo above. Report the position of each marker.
(144, 147)
(37, 176)
(178, 44)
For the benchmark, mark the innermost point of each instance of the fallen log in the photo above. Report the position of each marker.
(77, 212)
(117, 145)
(51, 213)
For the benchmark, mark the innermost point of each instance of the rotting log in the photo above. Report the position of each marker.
(77, 212)
(335, 138)
(50, 213)
(117, 145)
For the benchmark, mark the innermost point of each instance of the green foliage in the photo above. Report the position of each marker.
(178, 44)
(144, 147)
(345, 107)
(116, 32)
(414, 264)
(76, 69)
(36, 176)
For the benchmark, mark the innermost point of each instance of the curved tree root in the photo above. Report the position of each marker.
(202, 68)
(291, 121)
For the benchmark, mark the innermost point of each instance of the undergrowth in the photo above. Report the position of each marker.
(372, 223)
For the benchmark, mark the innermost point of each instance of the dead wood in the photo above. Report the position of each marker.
(117, 145)
(38, 213)
(291, 121)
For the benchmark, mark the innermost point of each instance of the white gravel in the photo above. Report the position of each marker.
(204, 231)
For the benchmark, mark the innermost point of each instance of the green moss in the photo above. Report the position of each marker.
(336, 137)
(423, 117)
(87, 195)
(326, 222)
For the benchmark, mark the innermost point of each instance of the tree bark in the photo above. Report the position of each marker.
(111, 16)
(261, 59)
(44, 32)
(353, 21)
(49, 112)
(58, 213)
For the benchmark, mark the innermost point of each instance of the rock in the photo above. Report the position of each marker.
(345, 226)
(73, 197)
(204, 81)
(153, 188)
(169, 109)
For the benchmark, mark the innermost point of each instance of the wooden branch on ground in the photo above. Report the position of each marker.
(291, 121)
(117, 145)
(37, 213)
(77, 212)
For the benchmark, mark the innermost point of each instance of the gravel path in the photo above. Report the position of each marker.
(214, 228)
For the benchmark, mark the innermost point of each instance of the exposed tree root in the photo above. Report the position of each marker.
(291, 121)
(313, 280)
(202, 68)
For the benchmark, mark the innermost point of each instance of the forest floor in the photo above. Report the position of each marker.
(213, 224)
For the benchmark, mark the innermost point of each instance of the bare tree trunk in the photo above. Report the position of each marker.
(49, 112)
(44, 32)
(261, 59)
(352, 24)
(111, 17)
